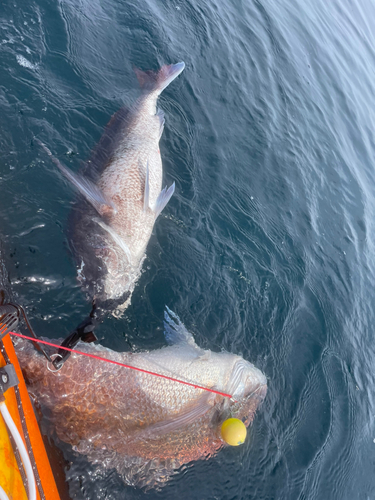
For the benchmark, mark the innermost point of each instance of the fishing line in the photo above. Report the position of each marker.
(123, 365)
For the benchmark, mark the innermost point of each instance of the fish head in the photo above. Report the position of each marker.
(105, 271)
(248, 387)
(223, 371)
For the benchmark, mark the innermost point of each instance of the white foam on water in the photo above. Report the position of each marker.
(22, 61)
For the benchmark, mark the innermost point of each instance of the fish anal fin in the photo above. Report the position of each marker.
(163, 198)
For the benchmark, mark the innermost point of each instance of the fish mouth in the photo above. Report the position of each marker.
(246, 408)
(254, 400)
(247, 380)
(248, 388)
(256, 396)
(259, 393)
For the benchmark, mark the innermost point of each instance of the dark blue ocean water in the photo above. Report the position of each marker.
(267, 247)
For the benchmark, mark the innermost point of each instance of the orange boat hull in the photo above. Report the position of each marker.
(10, 477)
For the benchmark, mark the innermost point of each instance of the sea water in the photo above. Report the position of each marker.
(267, 247)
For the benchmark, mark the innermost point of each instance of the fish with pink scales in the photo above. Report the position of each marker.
(144, 426)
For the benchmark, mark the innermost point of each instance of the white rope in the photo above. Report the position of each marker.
(23, 452)
(3, 495)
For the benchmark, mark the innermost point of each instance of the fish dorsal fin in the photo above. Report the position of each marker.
(175, 331)
(157, 80)
(164, 196)
(102, 204)
(146, 195)
(188, 416)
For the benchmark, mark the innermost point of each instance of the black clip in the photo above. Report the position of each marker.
(8, 379)
(84, 332)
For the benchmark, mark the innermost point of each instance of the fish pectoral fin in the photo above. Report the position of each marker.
(175, 331)
(115, 236)
(146, 195)
(102, 204)
(163, 198)
(187, 417)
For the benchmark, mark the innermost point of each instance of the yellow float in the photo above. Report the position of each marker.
(233, 431)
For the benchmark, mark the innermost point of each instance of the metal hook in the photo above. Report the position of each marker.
(51, 363)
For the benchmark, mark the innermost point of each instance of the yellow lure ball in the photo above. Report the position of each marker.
(233, 431)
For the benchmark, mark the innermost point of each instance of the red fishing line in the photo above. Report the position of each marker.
(122, 364)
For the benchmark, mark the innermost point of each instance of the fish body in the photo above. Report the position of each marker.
(145, 426)
(122, 195)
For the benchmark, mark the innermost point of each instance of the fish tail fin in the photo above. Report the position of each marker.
(156, 81)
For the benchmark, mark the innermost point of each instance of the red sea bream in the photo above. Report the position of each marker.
(144, 426)
(122, 196)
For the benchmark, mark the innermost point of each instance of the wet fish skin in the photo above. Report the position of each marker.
(122, 195)
(144, 426)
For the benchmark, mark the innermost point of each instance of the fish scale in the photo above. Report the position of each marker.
(121, 196)
(140, 424)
